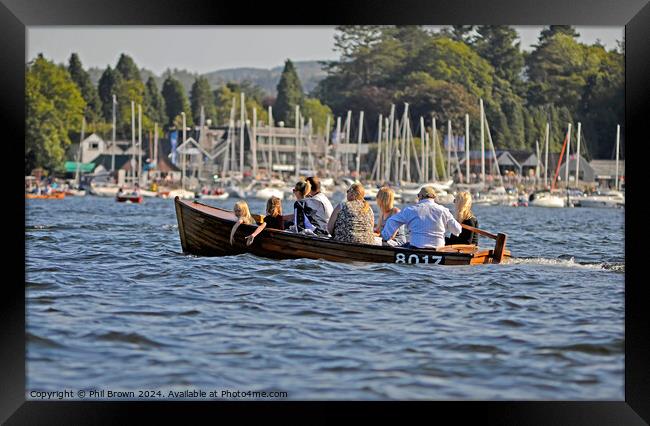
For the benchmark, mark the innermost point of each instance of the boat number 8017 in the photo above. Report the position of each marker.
(427, 259)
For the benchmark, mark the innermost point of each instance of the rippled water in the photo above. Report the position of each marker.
(112, 303)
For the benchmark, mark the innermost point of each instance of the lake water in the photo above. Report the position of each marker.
(113, 304)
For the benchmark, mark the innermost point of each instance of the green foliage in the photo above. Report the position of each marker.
(224, 97)
(201, 96)
(54, 109)
(127, 68)
(290, 94)
(176, 102)
(88, 90)
(107, 87)
(498, 45)
(318, 113)
(154, 104)
(128, 91)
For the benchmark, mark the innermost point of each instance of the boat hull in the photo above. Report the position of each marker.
(129, 198)
(57, 196)
(205, 231)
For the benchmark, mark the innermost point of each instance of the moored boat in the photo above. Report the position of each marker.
(205, 231)
(52, 196)
(128, 197)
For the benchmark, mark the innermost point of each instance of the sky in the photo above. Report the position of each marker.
(205, 49)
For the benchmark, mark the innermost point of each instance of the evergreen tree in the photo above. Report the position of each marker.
(547, 33)
(154, 104)
(201, 96)
(107, 87)
(499, 46)
(290, 94)
(127, 68)
(88, 90)
(175, 102)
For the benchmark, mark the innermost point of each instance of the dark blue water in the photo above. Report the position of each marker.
(112, 303)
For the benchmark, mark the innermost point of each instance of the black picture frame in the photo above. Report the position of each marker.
(16, 15)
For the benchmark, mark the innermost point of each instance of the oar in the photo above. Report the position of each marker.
(499, 246)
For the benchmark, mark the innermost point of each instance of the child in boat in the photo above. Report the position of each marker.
(243, 214)
(464, 215)
(385, 202)
(273, 219)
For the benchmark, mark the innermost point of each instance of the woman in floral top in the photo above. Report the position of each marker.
(352, 221)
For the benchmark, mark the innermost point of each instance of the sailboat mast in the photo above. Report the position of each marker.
(467, 148)
(448, 148)
(578, 156)
(482, 142)
(568, 157)
(359, 144)
(618, 140)
(546, 155)
(270, 141)
(140, 144)
(242, 124)
(113, 138)
(297, 150)
(77, 176)
(133, 143)
(434, 144)
(348, 123)
(423, 175)
(254, 143)
(183, 153)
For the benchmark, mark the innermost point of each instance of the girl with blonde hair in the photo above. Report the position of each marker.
(464, 215)
(352, 221)
(273, 219)
(385, 200)
(243, 214)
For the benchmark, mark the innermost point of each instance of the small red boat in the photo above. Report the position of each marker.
(129, 197)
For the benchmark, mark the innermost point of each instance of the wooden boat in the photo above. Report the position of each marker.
(128, 197)
(52, 196)
(205, 231)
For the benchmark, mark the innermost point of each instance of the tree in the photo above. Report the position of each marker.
(175, 101)
(127, 91)
(499, 46)
(154, 104)
(201, 96)
(547, 33)
(127, 68)
(290, 94)
(318, 113)
(107, 87)
(54, 109)
(88, 90)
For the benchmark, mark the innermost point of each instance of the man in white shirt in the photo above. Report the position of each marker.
(427, 222)
(317, 195)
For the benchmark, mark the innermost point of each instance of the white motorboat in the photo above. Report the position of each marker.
(546, 199)
(604, 199)
(104, 190)
(222, 196)
(146, 193)
(180, 193)
(266, 193)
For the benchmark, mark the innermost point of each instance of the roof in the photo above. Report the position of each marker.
(105, 160)
(71, 167)
(607, 167)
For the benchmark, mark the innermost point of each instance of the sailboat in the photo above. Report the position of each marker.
(545, 197)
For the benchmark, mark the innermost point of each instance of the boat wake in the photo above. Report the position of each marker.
(568, 261)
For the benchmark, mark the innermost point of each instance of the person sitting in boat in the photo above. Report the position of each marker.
(353, 221)
(120, 191)
(308, 213)
(426, 221)
(385, 202)
(315, 193)
(464, 215)
(136, 189)
(273, 219)
(243, 214)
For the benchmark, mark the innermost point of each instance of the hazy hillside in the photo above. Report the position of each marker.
(310, 74)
